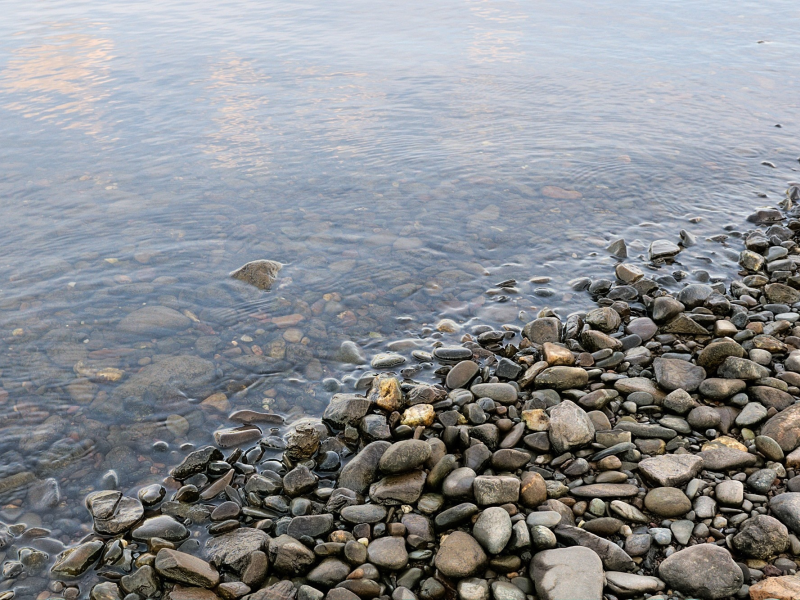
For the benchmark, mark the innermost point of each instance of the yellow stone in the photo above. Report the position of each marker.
(218, 401)
(419, 414)
(536, 419)
(555, 354)
(724, 442)
(448, 326)
(386, 393)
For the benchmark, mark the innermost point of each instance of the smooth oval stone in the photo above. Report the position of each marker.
(364, 513)
(452, 353)
(387, 360)
(163, 527)
(461, 374)
(504, 393)
(667, 502)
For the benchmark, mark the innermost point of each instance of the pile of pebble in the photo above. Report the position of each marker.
(647, 448)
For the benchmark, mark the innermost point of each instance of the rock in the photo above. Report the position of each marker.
(44, 495)
(398, 489)
(667, 502)
(784, 428)
(628, 584)
(568, 574)
(143, 582)
(717, 388)
(562, 378)
(570, 427)
(786, 507)
(386, 393)
(729, 493)
(662, 250)
(298, 481)
(461, 374)
(473, 589)
(185, 568)
(666, 308)
(76, 561)
(705, 570)
(388, 553)
(404, 456)
(493, 529)
(604, 318)
(715, 353)
(285, 590)
(363, 513)
(703, 417)
(289, 557)
(751, 414)
(154, 321)
(173, 377)
(724, 459)
(420, 414)
(780, 293)
(694, 295)
(103, 591)
(460, 555)
(351, 353)
(786, 587)
(612, 556)
(113, 513)
(533, 490)
(761, 537)
(680, 401)
(345, 409)
(196, 462)
(672, 374)
(505, 590)
(259, 273)
(233, 550)
(605, 490)
(536, 419)
(359, 473)
(330, 572)
(163, 527)
(504, 393)
(742, 368)
(495, 489)
(671, 470)
(770, 397)
(545, 329)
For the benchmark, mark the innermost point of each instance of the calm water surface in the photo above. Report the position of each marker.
(400, 158)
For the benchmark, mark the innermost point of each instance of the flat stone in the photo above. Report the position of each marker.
(671, 470)
(314, 526)
(725, 459)
(495, 489)
(163, 527)
(667, 502)
(628, 584)
(74, 562)
(359, 473)
(364, 513)
(613, 557)
(398, 489)
(605, 490)
(672, 374)
(784, 428)
(663, 249)
(154, 321)
(568, 574)
(388, 553)
(185, 568)
(562, 378)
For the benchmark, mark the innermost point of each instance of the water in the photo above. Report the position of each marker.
(401, 159)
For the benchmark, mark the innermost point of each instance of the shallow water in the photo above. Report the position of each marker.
(401, 159)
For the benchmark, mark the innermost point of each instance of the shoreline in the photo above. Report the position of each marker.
(603, 453)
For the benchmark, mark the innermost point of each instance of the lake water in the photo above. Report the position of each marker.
(399, 158)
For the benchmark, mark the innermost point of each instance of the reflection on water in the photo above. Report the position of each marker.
(63, 80)
(400, 160)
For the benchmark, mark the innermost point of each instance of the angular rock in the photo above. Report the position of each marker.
(706, 571)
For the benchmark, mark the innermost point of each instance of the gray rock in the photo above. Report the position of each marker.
(404, 456)
(786, 508)
(545, 329)
(762, 537)
(568, 574)
(562, 378)
(504, 393)
(461, 374)
(345, 409)
(458, 484)
(724, 459)
(314, 526)
(667, 502)
(742, 368)
(706, 571)
(628, 584)
(289, 557)
(493, 529)
(329, 572)
(473, 588)
(663, 249)
(570, 427)
(612, 556)
(784, 428)
(671, 470)
(761, 481)
(672, 374)
(233, 550)
(705, 507)
(495, 489)
(398, 489)
(154, 321)
(505, 590)
(682, 530)
(729, 492)
(364, 513)
(679, 401)
(359, 473)
(751, 414)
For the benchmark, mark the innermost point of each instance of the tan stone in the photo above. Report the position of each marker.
(555, 354)
(536, 419)
(218, 401)
(420, 414)
(724, 441)
(779, 588)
